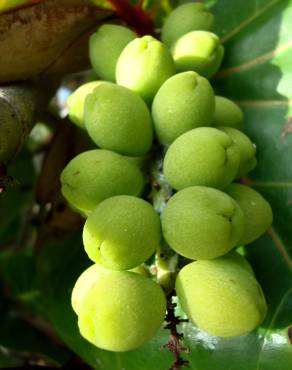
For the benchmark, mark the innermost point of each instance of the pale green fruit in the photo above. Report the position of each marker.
(185, 18)
(203, 156)
(76, 101)
(241, 261)
(89, 277)
(246, 148)
(227, 113)
(185, 101)
(198, 51)
(96, 175)
(258, 215)
(122, 232)
(202, 223)
(84, 283)
(105, 47)
(220, 297)
(118, 119)
(122, 311)
(144, 65)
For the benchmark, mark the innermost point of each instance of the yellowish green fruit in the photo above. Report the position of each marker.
(185, 18)
(96, 175)
(105, 47)
(144, 65)
(122, 311)
(203, 156)
(202, 223)
(246, 148)
(258, 215)
(117, 119)
(227, 113)
(185, 101)
(198, 51)
(122, 232)
(84, 283)
(220, 297)
(76, 101)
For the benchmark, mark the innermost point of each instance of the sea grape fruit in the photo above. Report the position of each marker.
(117, 119)
(220, 297)
(257, 211)
(246, 148)
(122, 232)
(202, 223)
(96, 175)
(76, 101)
(227, 113)
(203, 156)
(122, 311)
(185, 101)
(84, 283)
(144, 65)
(198, 51)
(105, 47)
(183, 19)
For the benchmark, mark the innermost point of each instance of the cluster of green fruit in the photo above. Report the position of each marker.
(162, 89)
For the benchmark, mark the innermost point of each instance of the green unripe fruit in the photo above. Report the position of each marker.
(202, 223)
(242, 262)
(257, 211)
(122, 311)
(198, 51)
(76, 101)
(83, 285)
(203, 156)
(96, 175)
(185, 18)
(227, 113)
(185, 101)
(122, 232)
(246, 148)
(105, 47)
(221, 298)
(144, 65)
(118, 119)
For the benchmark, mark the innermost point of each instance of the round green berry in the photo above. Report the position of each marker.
(122, 232)
(84, 283)
(185, 101)
(221, 298)
(246, 148)
(227, 113)
(105, 47)
(96, 175)
(76, 102)
(198, 51)
(144, 65)
(117, 119)
(202, 223)
(203, 156)
(257, 211)
(183, 19)
(122, 311)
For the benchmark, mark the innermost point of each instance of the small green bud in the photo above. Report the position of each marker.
(257, 211)
(198, 51)
(227, 113)
(246, 148)
(185, 101)
(144, 65)
(105, 47)
(185, 18)
(76, 102)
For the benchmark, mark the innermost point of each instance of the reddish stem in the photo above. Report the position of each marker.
(134, 16)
